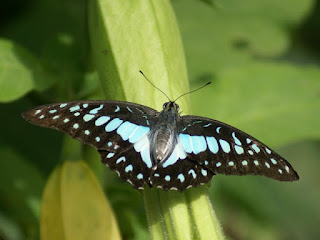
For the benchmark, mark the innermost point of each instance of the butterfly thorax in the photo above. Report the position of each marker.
(163, 136)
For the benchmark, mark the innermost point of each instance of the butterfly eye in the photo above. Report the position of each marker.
(165, 105)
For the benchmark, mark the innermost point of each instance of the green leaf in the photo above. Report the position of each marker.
(276, 103)
(238, 33)
(20, 72)
(20, 191)
(9, 229)
(211, 3)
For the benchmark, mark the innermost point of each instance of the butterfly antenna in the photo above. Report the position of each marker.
(192, 91)
(154, 85)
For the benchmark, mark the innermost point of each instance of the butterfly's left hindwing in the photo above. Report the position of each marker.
(224, 149)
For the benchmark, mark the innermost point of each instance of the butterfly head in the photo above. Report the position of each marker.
(171, 106)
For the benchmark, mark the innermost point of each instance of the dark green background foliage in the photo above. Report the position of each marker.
(263, 60)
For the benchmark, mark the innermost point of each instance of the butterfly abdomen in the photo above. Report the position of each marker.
(164, 135)
(162, 144)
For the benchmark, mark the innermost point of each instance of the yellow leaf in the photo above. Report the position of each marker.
(51, 226)
(75, 207)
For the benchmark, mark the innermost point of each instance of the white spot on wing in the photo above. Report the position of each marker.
(204, 172)
(287, 168)
(255, 148)
(193, 173)
(121, 159)
(74, 108)
(181, 177)
(129, 109)
(268, 150)
(129, 168)
(236, 140)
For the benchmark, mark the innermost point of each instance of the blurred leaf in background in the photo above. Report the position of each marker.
(263, 59)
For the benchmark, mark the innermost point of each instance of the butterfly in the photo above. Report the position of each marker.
(162, 149)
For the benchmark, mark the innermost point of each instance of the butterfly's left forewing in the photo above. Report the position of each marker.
(224, 149)
(117, 129)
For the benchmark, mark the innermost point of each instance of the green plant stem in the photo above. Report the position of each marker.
(128, 36)
(187, 215)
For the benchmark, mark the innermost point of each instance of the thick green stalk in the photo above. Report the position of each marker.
(128, 36)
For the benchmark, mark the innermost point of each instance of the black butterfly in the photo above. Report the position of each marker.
(162, 149)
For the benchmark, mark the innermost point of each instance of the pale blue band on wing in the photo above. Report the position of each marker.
(225, 145)
(116, 122)
(195, 144)
(212, 144)
(177, 154)
(186, 142)
(199, 144)
(101, 120)
(143, 147)
(138, 134)
(126, 130)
